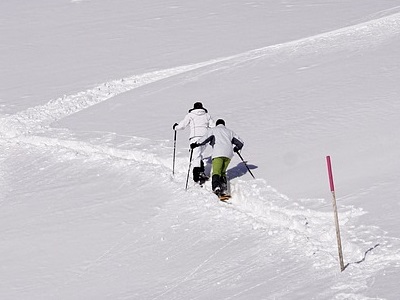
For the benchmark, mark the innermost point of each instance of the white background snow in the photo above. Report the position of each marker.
(89, 91)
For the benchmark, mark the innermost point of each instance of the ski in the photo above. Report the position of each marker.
(224, 197)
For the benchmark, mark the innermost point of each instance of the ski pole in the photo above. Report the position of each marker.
(190, 164)
(245, 164)
(173, 159)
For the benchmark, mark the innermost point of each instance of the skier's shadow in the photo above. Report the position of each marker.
(239, 170)
(233, 172)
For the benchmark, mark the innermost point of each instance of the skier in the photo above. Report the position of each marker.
(224, 142)
(199, 121)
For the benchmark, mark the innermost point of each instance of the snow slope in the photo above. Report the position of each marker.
(89, 207)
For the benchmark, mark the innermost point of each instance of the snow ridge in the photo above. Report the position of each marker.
(352, 38)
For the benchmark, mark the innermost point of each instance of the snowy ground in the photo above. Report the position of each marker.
(89, 91)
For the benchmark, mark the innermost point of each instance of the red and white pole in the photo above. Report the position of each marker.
(332, 186)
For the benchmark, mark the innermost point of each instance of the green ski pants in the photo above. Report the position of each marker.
(220, 165)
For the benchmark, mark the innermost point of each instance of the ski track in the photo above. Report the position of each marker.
(307, 231)
(351, 39)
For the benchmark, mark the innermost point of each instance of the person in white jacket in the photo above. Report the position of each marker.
(199, 121)
(224, 143)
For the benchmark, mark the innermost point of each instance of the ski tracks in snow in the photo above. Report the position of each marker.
(350, 39)
(27, 126)
(367, 250)
(306, 231)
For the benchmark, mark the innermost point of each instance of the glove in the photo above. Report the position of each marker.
(173, 126)
(236, 149)
(194, 145)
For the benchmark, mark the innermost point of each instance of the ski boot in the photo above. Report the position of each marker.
(203, 178)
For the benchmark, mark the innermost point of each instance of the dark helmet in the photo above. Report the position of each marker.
(198, 105)
(220, 121)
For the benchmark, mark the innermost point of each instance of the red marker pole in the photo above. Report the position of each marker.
(332, 186)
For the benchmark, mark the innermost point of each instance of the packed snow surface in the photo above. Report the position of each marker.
(89, 206)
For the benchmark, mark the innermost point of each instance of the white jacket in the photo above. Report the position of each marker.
(198, 120)
(222, 140)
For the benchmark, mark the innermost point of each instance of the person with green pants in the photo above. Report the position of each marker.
(224, 143)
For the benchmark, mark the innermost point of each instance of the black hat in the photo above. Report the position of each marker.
(198, 105)
(220, 121)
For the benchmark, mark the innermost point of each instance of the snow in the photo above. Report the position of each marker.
(89, 208)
